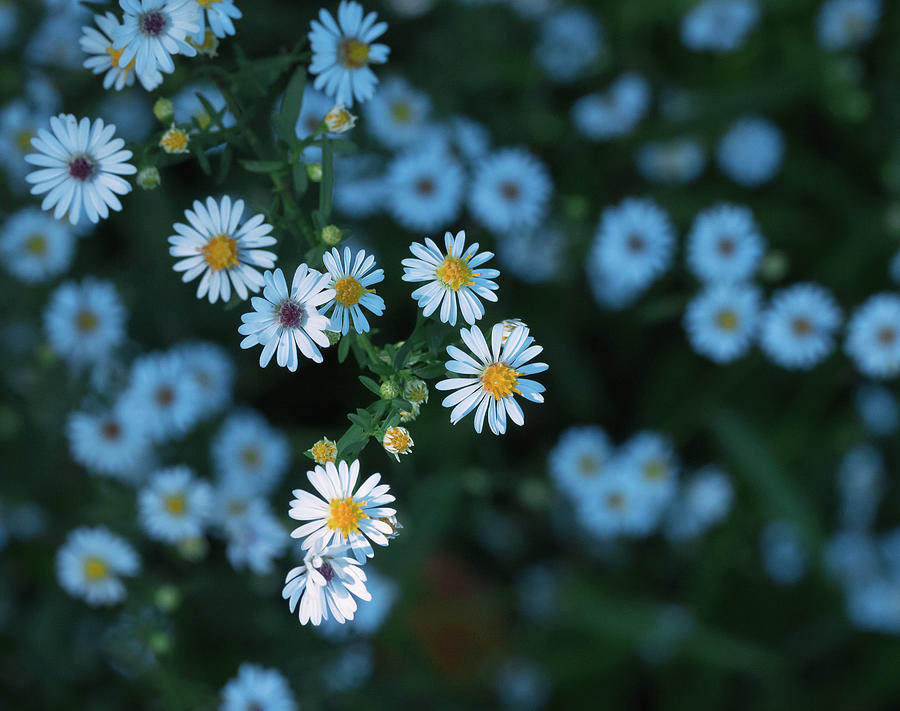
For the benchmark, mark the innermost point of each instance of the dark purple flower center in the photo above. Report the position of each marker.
(425, 186)
(81, 168)
(111, 430)
(153, 23)
(291, 314)
(326, 571)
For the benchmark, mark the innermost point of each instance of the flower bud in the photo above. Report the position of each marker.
(324, 451)
(331, 234)
(314, 172)
(397, 441)
(389, 390)
(339, 120)
(164, 111)
(333, 337)
(148, 178)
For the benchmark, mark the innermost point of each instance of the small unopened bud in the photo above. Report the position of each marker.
(397, 441)
(164, 111)
(331, 234)
(339, 120)
(774, 266)
(389, 390)
(314, 172)
(193, 549)
(160, 642)
(167, 598)
(333, 337)
(416, 391)
(324, 451)
(148, 178)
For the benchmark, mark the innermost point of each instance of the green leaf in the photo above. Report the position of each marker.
(326, 186)
(225, 164)
(287, 117)
(434, 370)
(370, 385)
(360, 422)
(343, 349)
(263, 166)
(215, 116)
(300, 178)
(202, 159)
(378, 409)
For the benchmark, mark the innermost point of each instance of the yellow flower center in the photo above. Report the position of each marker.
(221, 252)
(95, 569)
(454, 273)
(251, 456)
(23, 140)
(397, 439)
(115, 55)
(203, 119)
(802, 326)
(655, 469)
(348, 291)
(354, 54)
(499, 380)
(87, 321)
(345, 515)
(727, 320)
(36, 245)
(615, 500)
(174, 141)
(401, 112)
(324, 451)
(587, 465)
(206, 3)
(175, 504)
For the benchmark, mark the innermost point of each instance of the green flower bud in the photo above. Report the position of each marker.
(389, 390)
(333, 337)
(774, 266)
(148, 178)
(167, 598)
(331, 234)
(314, 172)
(164, 111)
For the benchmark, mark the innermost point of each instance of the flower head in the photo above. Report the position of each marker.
(873, 336)
(847, 24)
(614, 112)
(103, 59)
(153, 30)
(90, 563)
(175, 506)
(797, 329)
(339, 120)
(416, 392)
(493, 377)
(510, 191)
(35, 247)
(227, 255)
(425, 188)
(108, 443)
(80, 163)
(351, 278)
(324, 451)
(579, 457)
(721, 321)
(217, 15)
(750, 153)
(343, 50)
(397, 441)
(256, 688)
(174, 140)
(453, 282)
(247, 449)
(284, 320)
(724, 244)
(719, 25)
(342, 515)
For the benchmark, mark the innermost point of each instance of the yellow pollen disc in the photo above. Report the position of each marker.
(36, 245)
(95, 569)
(587, 465)
(174, 141)
(499, 380)
(250, 456)
(397, 439)
(454, 273)
(655, 469)
(616, 500)
(348, 291)
(345, 515)
(727, 320)
(115, 55)
(401, 112)
(324, 451)
(23, 140)
(206, 3)
(354, 54)
(175, 504)
(221, 252)
(87, 321)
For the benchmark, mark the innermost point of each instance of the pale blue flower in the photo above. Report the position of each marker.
(510, 190)
(249, 450)
(721, 321)
(873, 336)
(256, 687)
(719, 25)
(847, 24)
(425, 188)
(797, 329)
(397, 116)
(570, 41)
(675, 161)
(35, 247)
(878, 409)
(784, 557)
(724, 244)
(91, 563)
(174, 505)
(579, 459)
(751, 151)
(615, 111)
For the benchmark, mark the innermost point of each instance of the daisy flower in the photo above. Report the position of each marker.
(79, 167)
(873, 336)
(877, 408)
(724, 244)
(324, 451)
(797, 329)
(416, 392)
(247, 449)
(35, 247)
(397, 441)
(342, 516)
(632, 246)
(108, 443)
(614, 112)
(256, 688)
(153, 30)
(175, 505)
(85, 322)
(719, 25)
(97, 43)
(510, 191)
(750, 153)
(174, 140)
(218, 14)
(425, 188)
(570, 40)
(675, 161)
(284, 320)
(847, 24)
(721, 321)
(360, 189)
(649, 457)
(343, 50)
(213, 373)
(618, 505)
(351, 278)
(398, 116)
(534, 256)
(162, 396)
(578, 458)
(255, 541)
(452, 280)
(492, 377)
(325, 585)
(18, 125)
(784, 557)
(214, 245)
(89, 565)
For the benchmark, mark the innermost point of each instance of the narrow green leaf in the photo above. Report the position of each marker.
(263, 166)
(370, 384)
(359, 422)
(343, 349)
(287, 117)
(300, 178)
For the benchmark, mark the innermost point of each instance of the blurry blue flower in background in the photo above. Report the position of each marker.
(861, 481)
(9, 23)
(174, 505)
(751, 151)
(256, 687)
(398, 115)
(704, 500)
(510, 190)
(797, 328)
(847, 24)
(360, 189)
(648, 457)
(675, 160)
(719, 25)
(89, 565)
(108, 443)
(784, 557)
(877, 408)
(535, 256)
(617, 503)
(425, 188)
(873, 336)
(246, 448)
(131, 113)
(569, 42)
(351, 669)
(213, 372)
(614, 112)
(721, 321)
(55, 42)
(521, 685)
(18, 125)
(35, 247)
(724, 244)
(579, 458)
(256, 540)
(370, 614)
